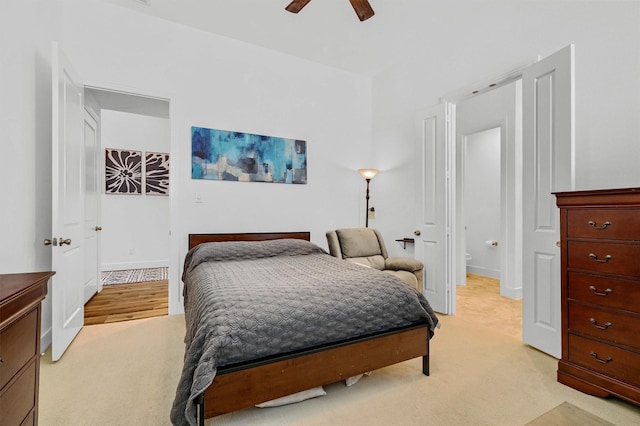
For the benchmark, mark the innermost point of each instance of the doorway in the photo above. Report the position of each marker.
(492, 122)
(135, 223)
(481, 199)
(488, 150)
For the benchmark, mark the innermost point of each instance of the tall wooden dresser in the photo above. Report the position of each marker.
(20, 297)
(600, 246)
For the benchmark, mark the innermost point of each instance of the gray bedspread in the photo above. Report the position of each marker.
(247, 300)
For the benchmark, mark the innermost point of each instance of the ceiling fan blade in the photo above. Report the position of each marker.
(363, 9)
(296, 5)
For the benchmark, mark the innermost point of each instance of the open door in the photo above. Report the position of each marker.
(92, 283)
(548, 152)
(434, 195)
(67, 204)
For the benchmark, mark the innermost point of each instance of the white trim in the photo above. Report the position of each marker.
(135, 265)
(485, 272)
(486, 84)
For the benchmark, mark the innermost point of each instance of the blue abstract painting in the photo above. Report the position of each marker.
(227, 155)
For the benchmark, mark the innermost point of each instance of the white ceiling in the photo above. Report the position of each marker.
(325, 31)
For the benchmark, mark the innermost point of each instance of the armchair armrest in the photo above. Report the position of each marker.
(403, 264)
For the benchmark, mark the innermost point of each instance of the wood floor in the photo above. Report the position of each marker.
(124, 302)
(480, 301)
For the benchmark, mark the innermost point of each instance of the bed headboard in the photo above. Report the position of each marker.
(195, 239)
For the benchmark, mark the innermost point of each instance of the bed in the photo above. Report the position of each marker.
(248, 299)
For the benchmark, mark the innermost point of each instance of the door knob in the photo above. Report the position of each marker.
(63, 241)
(417, 232)
(98, 228)
(48, 242)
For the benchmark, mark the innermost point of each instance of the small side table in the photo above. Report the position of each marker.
(404, 241)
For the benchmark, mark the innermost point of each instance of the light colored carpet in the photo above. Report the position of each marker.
(568, 415)
(130, 276)
(126, 374)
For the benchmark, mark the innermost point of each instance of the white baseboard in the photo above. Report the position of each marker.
(512, 293)
(135, 265)
(485, 272)
(45, 340)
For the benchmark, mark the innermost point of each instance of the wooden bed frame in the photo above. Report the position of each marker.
(249, 383)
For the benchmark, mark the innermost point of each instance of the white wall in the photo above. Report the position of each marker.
(215, 82)
(135, 228)
(482, 202)
(26, 30)
(25, 134)
(490, 39)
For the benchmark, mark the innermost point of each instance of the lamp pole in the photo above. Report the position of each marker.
(366, 212)
(367, 174)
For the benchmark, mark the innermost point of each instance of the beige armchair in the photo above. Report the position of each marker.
(366, 246)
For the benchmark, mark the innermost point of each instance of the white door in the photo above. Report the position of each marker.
(92, 283)
(548, 151)
(67, 205)
(433, 188)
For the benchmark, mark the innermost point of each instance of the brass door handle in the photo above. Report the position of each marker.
(63, 241)
(417, 232)
(47, 242)
(98, 228)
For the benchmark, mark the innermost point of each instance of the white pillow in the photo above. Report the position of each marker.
(350, 381)
(294, 397)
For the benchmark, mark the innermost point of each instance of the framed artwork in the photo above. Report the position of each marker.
(156, 173)
(123, 171)
(236, 156)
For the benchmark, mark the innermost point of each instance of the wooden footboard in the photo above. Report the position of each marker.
(251, 384)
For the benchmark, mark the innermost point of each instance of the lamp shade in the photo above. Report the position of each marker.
(368, 173)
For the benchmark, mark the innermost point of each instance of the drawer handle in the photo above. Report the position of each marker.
(600, 360)
(605, 260)
(598, 293)
(601, 327)
(604, 225)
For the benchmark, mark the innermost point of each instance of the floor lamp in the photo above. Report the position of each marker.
(367, 174)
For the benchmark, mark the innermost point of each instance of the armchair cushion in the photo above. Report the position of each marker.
(376, 262)
(403, 263)
(407, 277)
(358, 243)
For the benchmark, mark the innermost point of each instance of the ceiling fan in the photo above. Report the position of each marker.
(362, 7)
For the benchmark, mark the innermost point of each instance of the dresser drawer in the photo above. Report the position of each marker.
(18, 400)
(613, 326)
(615, 224)
(18, 344)
(604, 291)
(605, 359)
(604, 258)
